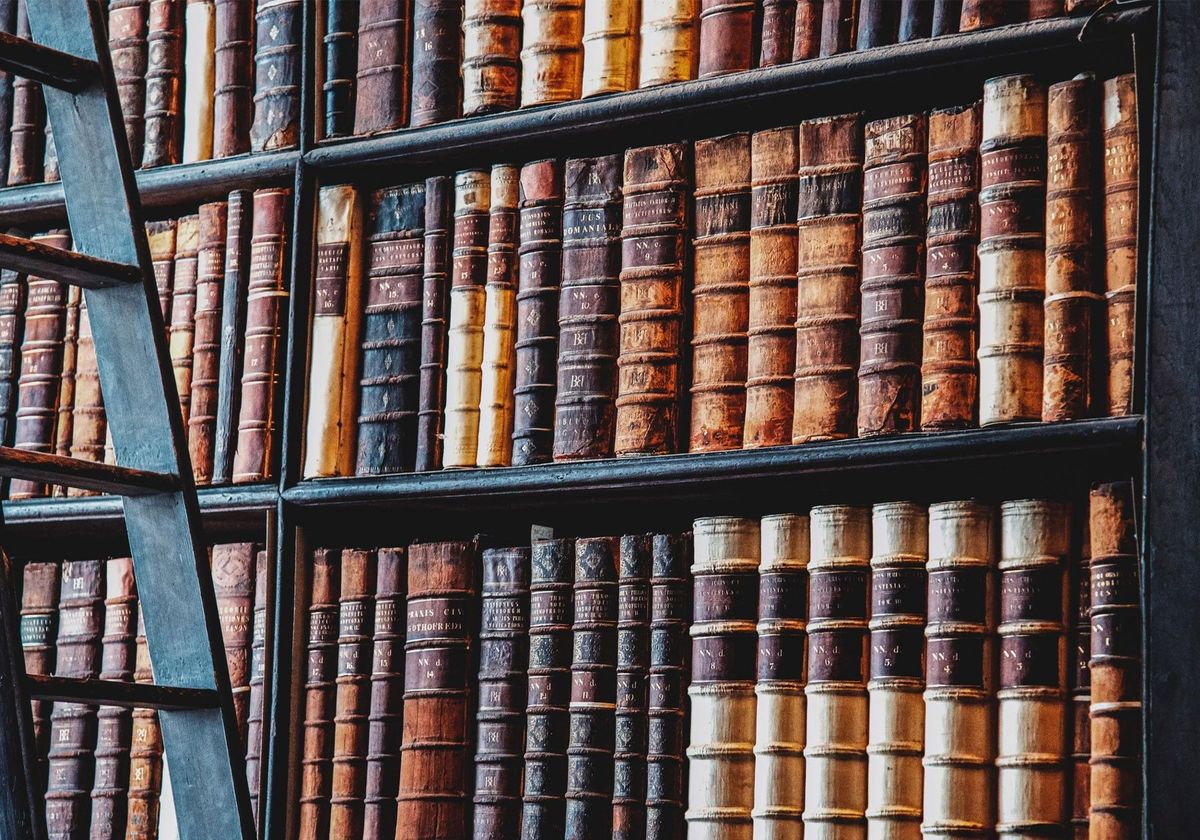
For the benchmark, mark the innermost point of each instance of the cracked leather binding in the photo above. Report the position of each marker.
(610, 46)
(436, 63)
(727, 37)
(181, 334)
(491, 64)
(837, 26)
(381, 94)
(206, 347)
(778, 32)
(39, 629)
(633, 675)
(341, 59)
(127, 22)
(233, 82)
(233, 572)
(551, 51)
(668, 42)
(435, 288)
(164, 72)
(384, 714)
(278, 25)
(320, 677)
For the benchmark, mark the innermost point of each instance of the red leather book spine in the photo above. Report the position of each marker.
(385, 715)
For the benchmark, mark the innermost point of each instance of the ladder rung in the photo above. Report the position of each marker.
(125, 694)
(85, 475)
(48, 66)
(29, 257)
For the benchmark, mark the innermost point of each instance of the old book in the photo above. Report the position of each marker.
(206, 345)
(340, 66)
(588, 306)
(199, 62)
(386, 704)
(1034, 548)
(551, 613)
(436, 62)
(1012, 261)
(320, 694)
(893, 262)
(503, 659)
(28, 120)
(39, 629)
(266, 311)
(835, 747)
(720, 292)
(182, 332)
(1040, 9)
(161, 236)
(551, 51)
(837, 26)
(778, 21)
(779, 687)
(984, 14)
(916, 20)
(145, 754)
(806, 41)
(946, 16)
(127, 31)
(652, 259)
(1073, 6)
(442, 606)
(88, 422)
(233, 86)
(164, 72)
(1080, 648)
(727, 37)
(64, 424)
(331, 406)
(255, 712)
(391, 331)
(435, 289)
(278, 25)
(633, 683)
(668, 42)
(12, 330)
(1119, 116)
(593, 689)
(949, 384)
(540, 238)
(491, 64)
(381, 86)
(610, 46)
(8, 23)
(494, 447)
(233, 573)
(1115, 665)
(234, 303)
(828, 271)
(878, 23)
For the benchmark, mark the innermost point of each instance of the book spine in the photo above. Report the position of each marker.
(276, 125)
(1012, 261)
(610, 46)
(1074, 6)
(258, 673)
(39, 629)
(436, 62)
(381, 94)
(491, 65)
(584, 408)
(727, 37)
(164, 73)
(721, 292)
(233, 86)
(340, 68)
(494, 446)
(1119, 115)
(633, 676)
(128, 47)
(233, 331)
(946, 16)
(435, 286)
(182, 332)
(233, 572)
(806, 43)
(384, 718)
(916, 20)
(837, 26)
(8, 23)
(199, 63)
(878, 23)
(985, 14)
(145, 754)
(1041, 9)
(28, 119)
(319, 695)
(551, 51)
(1081, 689)
(540, 277)
(12, 330)
(668, 42)
(206, 375)
(161, 237)
(778, 32)
(64, 424)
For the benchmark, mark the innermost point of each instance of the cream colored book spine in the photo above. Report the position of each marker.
(669, 35)
(551, 51)
(199, 61)
(610, 46)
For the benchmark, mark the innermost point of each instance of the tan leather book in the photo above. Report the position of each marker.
(233, 569)
(145, 754)
(727, 37)
(39, 628)
(65, 409)
(88, 422)
(164, 71)
(161, 236)
(316, 762)
(206, 345)
(1119, 117)
(551, 51)
(13, 293)
(668, 42)
(494, 448)
(491, 65)
(183, 308)
(199, 64)
(610, 46)
(127, 46)
(1080, 647)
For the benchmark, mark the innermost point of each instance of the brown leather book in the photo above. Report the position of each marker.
(238, 233)
(127, 25)
(1080, 648)
(436, 64)
(8, 23)
(878, 23)
(893, 263)
(316, 764)
(384, 716)
(491, 64)
(88, 423)
(64, 423)
(539, 277)
(278, 25)
(838, 19)
(28, 121)
(161, 236)
(183, 307)
(233, 572)
(584, 408)
(13, 293)
(946, 16)
(652, 260)
(1041, 9)
(381, 87)
(494, 445)
(806, 42)
(778, 32)
(233, 80)
(551, 51)
(258, 661)
(720, 292)
(1119, 116)
(949, 383)
(206, 347)
(340, 66)
(435, 289)
(1073, 6)
(438, 657)
(266, 310)
(610, 46)
(503, 659)
(984, 14)
(668, 42)
(727, 37)
(39, 629)
(145, 754)
(164, 74)
(633, 677)
(916, 20)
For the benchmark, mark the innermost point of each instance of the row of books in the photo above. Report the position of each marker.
(846, 277)
(102, 769)
(897, 670)
(223, 289)
(471, 57)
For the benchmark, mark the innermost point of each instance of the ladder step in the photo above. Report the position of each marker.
(86, 475)
(48, 66)
(40, 260)
(125, 694)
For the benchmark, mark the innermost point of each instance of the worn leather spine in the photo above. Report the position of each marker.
(26, 134)
(181, 335)
(652, 262)
(161, 236)
(381, 86)
(806, 40)
(200, 73)
(551, 51)
(1032, 751)
(278, 26)
(13, 294)
(164, 72)
(777, 33)
(1041, 9)
(916, 20)
(1012, 261)
(238, 239)
(435, 289)
(835, 751)
(1080, 647)
(494, 447)
(633, 676)
(984, 14)
(340, 67)
(727, 37)
(547, 715)
(828, 269)
(893, 263)
(949, 383)
(437, 56)
(384, 713)
(946, 16)
(320, 678)
(442, 605)
(233, 86)
(206, 346)
(668, 42)
(503, 659)
(588, 307)
(145, 754)
(610, 46)
(258, 673)
(64, 424)
(127, 21)
(838, 18)
(1120, 120)
(491, 63)
(233, 574)
(39, 629)
(8, 23)
(540, 239)
(1074, 6)
(878, 23)
(720, 292)
(779, 688)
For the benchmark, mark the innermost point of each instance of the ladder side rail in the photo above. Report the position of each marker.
(21, 811)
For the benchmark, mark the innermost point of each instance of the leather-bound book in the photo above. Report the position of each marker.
(12, 330)
(878, 23)
(1080, 646)
(278, 25)
(893, 263)
(114, 725)
(233, 572)
(503, 658)
(8, 23)
(491, 64)
(1074, 6)
(164, 72)
(838, 19)
(337, 322)
(387, 689)
(39, 628)
(161, 237)
(1119, 117)
(806, 41)
(442, 610)
(828, 270)
(1041, 9)
(633, 683)
(593, 690)
(668, 42)
(946, 16)
(720, 292)
(1116, 666)
(1035, 538)
(551, 51)
(391, 331)
(984, 14)
(238, 232)
(145, 754)
(916, 20)
(64, 424)
(727, 37)
(835, 746)
(779, 690)
(584, 407)
(551, 613)
(266, 311)
(206, 345)
(494, 448)
(949, 384)
(258, 673)
(182, 331)
(199, 61)
(960, 664)
(88, 421)
(652, 260)
(1072, 301)
(26, 134)
(539, 278)
(436, 61)
(381, 87)
(464, 351)
(356, 611)
(233, 79)
(127, 45)
(610, 46)
(1012, 249)
(340, 67)
(435, 289)
(320, 694)
(777, 33)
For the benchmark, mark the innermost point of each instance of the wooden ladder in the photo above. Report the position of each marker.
(68, 55)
